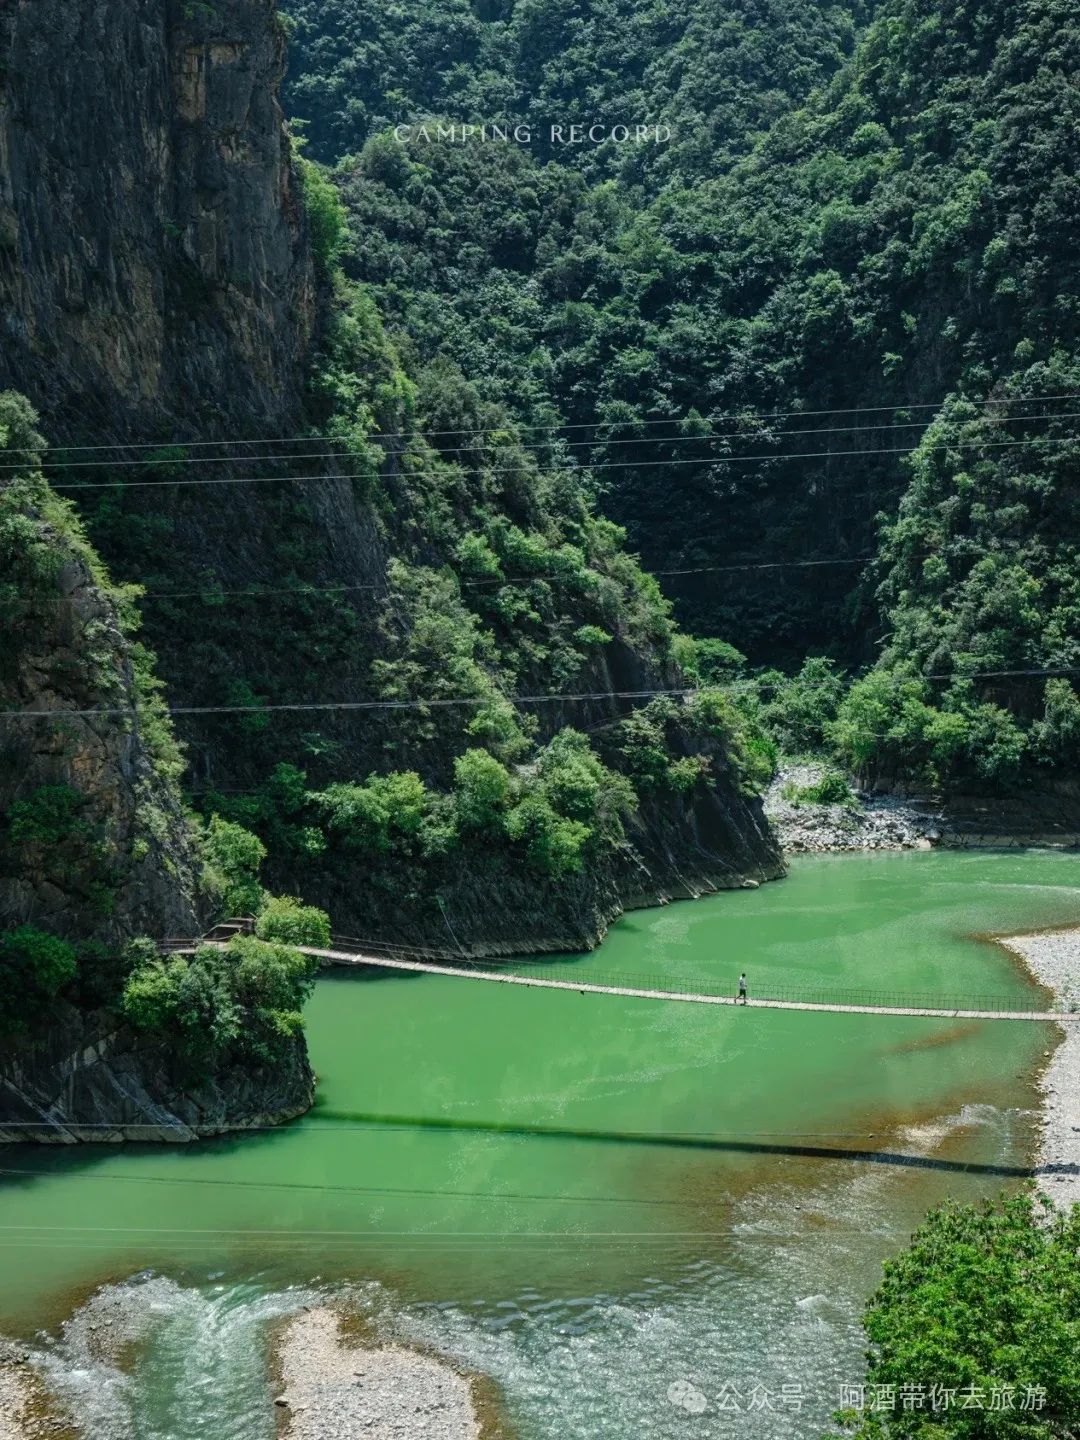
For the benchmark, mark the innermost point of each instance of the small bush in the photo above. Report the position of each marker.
(289, 921)
(553, 845)
(233, 859)
(383, 815)
(48, 817)
(831, 789)
(34, 968)
(325, 215)
(481, 792)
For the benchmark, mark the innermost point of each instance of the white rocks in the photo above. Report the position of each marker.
(1054, 960)
(26, 1412)
(877, 823)
(335, 1391)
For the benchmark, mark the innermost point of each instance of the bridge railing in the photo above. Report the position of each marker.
(703, 984)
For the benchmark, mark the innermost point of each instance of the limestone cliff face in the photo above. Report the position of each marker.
(156, 282)
(89, 1080)
(152, 245)
(95, 847)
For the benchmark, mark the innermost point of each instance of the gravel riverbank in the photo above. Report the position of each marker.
(14, 1403)
(1054, 960)
(26, 1411)
(875, 823)
(334, 1390)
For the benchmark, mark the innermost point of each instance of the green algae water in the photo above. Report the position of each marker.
(638, 1217)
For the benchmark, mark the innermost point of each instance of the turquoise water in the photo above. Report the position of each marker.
(592, 1199)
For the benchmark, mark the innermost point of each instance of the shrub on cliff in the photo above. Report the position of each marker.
(47, 817)
(233, 858)
(34, 968)
(482, 791)
(242, 1001)
(289, 921)
(384, 814)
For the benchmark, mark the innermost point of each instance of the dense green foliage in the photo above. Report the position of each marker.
(984, 1302)
(241, 1002)
(34, 968)
(66, 838)
(900, 238)
(716, 72)
(500, 580)
(289, 921)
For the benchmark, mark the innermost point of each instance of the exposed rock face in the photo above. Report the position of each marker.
(156, 280)
(152, 245)
(73, 657)
(90, 1080)
(94, 847)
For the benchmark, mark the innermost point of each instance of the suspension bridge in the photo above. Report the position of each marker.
(347, 952)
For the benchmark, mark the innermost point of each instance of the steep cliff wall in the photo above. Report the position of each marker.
(157, 285)
(90, 1080)
(152, 246)
(95, 848)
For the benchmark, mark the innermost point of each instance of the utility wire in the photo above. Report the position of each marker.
(300, 590)
(375, 437)
(442, 702)
(620, 465)
(511, 425)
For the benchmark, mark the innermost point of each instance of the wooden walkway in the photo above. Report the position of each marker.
(583, 987)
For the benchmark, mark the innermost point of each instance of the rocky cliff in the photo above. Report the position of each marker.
(152, 241)
(95, 846)
(89, 1080)
(160, 282)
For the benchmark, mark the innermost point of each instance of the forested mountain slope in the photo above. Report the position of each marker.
(716, 72)
(345, 623)
(749, 354)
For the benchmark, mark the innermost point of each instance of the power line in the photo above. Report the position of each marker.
(367, 704)
(375, 437)
(303, 589)
(442, 702)
(621, 465)
(511, 424)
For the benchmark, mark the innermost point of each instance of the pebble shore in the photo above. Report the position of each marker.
(877, 823)
(14, 1403)
(1054, 960)
(26, 1412)
(334, 1390)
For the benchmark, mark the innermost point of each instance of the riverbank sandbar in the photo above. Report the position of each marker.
(1053, 957)
(331, 1388)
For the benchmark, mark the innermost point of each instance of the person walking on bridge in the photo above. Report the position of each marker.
(741, 998)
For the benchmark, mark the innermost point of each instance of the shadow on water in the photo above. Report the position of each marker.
(40, 1162)
(719, 1143)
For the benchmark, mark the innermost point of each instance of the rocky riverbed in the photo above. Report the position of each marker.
(1054, 959)
(334, 1389)
(879, 822)
(27, 1412)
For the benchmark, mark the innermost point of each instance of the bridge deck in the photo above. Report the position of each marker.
(424, 967)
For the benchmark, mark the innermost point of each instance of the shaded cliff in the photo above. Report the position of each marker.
(417, 549)
(152, 239)
(96, 849)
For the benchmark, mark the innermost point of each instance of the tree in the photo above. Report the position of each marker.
(34, 968)
(286, 919)
(233, 859)
(481, 791)
(984, 1298)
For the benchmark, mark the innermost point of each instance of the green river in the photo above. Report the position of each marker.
(637, 1217)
